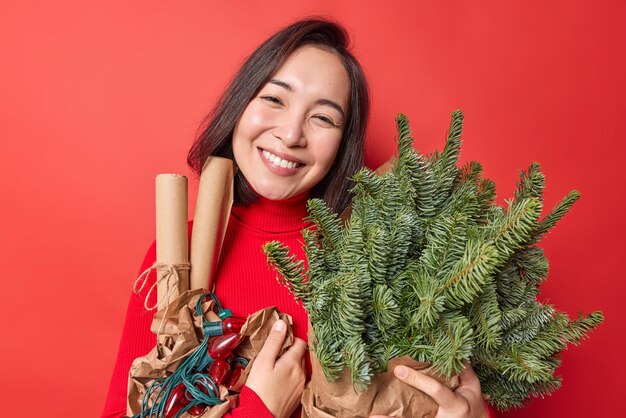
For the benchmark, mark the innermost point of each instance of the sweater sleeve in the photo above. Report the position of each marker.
(250, 406)
(137, 340)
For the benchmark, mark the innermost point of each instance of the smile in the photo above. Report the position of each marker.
(279, 162)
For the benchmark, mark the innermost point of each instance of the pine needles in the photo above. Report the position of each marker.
(428, 266)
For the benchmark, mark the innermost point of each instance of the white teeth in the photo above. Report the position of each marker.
(277, 161)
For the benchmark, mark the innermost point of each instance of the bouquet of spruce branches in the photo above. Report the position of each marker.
(426, 265)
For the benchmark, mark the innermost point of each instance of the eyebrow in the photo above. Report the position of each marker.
(323, 102)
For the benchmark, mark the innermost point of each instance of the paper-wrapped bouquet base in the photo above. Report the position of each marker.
(179, 333)
(386, 395)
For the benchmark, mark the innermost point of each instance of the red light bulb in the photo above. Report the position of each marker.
(221, 347)
(233, 324)
(197, 410)
(219, 371)
(225, 326)
(234, 377)
(176, 401)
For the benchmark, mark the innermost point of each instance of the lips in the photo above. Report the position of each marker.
(280, 160)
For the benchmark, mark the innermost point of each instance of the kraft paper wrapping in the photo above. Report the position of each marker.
(255, 331)
(386, 395)
(171, 237)
(215, 199)
(181, 334)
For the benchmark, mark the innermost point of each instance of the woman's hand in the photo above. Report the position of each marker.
(466, 401)
(279, 382)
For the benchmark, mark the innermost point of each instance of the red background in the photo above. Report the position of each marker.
(98, 97)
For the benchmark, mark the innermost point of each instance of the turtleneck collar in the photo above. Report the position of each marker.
(274, 216)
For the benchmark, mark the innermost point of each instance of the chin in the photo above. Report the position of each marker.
(278, 196)
(272, 193)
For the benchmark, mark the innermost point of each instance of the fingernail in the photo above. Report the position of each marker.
(279, 325)
(401, 372)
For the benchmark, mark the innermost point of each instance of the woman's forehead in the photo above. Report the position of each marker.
(314, 71)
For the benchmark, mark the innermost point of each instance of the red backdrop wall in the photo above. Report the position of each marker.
(98, 97)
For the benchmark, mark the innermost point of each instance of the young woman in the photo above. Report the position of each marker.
(293, 119)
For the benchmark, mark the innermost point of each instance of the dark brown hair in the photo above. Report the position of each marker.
(217, 130)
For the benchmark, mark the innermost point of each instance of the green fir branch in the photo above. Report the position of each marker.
(555, 215)
(428, 265)
(327, 222)
(291, 270)
(531, 183)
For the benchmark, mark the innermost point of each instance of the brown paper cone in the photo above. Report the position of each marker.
(171, 235)
(215, 199)
(386, 395)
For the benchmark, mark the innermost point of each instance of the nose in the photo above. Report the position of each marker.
(290, 130)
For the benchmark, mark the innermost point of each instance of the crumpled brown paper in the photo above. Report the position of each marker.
(179, 333)
(255, 332)
(386, 395)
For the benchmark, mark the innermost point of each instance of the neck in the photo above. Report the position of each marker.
(274, 216)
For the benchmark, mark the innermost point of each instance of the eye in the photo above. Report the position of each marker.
(272, 99)
(326, 121)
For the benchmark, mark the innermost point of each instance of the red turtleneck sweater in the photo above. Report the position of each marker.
(244, 285)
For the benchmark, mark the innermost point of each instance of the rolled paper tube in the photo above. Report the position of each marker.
(215, 199)
(171, 234)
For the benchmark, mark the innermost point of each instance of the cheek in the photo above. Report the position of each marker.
(250, 126)
(254, 120)
(326, 154)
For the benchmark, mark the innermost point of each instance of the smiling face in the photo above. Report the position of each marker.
(287, 137)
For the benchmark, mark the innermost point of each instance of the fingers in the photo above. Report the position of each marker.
(296, 352)
(469, 377)
(273, 344)
(469, 385)
(442, 395)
